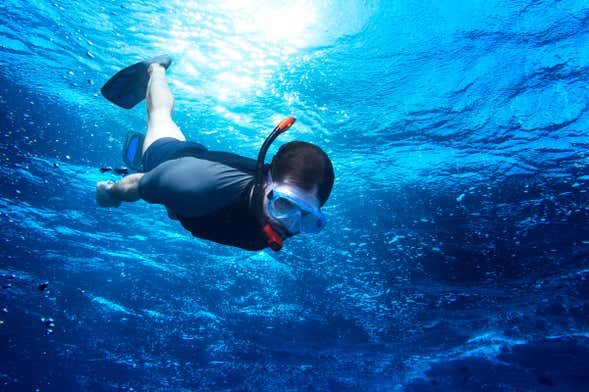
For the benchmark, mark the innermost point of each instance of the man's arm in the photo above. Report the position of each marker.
(112, 194)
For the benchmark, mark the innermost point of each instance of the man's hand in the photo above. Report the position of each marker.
(104, 198)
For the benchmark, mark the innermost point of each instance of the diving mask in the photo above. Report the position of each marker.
(294, 210)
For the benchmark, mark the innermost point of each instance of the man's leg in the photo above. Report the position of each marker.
(160, 104)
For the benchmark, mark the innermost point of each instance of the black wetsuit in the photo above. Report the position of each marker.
(207, 190)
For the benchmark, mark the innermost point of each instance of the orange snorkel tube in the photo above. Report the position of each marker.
(272, 237)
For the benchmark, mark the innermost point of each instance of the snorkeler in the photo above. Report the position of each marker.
(217, 196)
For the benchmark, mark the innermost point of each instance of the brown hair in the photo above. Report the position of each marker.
(306, 165)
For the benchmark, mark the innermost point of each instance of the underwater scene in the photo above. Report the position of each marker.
(455, 255)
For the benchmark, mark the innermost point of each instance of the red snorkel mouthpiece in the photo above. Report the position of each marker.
(273, 239)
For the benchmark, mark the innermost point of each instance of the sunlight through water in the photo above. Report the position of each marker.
(244, 41)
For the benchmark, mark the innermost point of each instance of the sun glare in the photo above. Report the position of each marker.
(281, 24)
(234, 47)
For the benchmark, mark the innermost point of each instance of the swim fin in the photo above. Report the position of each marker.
(132, 151)
(128, 86)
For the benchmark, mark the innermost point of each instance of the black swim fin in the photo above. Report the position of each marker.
(128, 86)
(132, 151)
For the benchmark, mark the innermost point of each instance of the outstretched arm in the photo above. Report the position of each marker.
(112, 194)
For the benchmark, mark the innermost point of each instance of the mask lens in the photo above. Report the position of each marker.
(282, 207)
(292, 223)
(295, 216)
(312, 223)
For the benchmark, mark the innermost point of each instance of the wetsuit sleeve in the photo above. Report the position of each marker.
(192, 187)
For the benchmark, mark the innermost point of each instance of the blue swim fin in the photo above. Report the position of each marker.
(128, 86)
(132, 151)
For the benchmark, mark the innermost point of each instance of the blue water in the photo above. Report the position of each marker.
(456, 256)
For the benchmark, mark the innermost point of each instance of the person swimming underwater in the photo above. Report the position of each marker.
(217, 196)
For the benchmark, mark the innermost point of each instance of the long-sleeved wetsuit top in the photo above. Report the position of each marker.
(193, 187)
(209, 193)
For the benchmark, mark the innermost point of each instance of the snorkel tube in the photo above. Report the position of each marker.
(272, 237)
